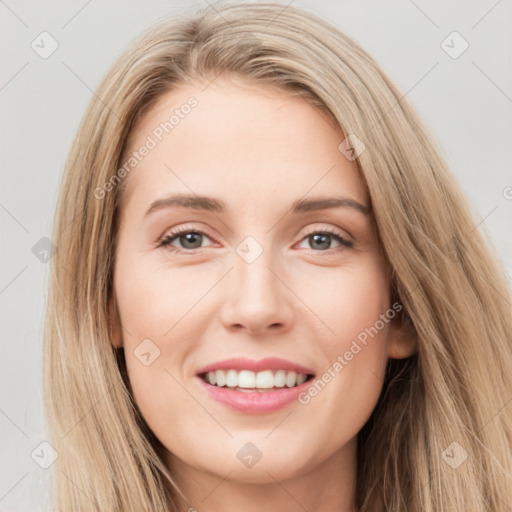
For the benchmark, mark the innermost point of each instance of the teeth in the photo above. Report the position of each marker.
(280, 379)
(301, 378)
(231, 379)
(246, 379)
(264, 379)
(220, 377)
(291, 379)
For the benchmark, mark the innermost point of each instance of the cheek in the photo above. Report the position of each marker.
(159, 308)
(357, 314)
(348, 301)
(155, 299)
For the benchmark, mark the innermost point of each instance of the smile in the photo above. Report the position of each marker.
(249, 381)
(254, 387)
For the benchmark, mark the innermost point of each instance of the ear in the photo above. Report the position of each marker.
(115, 324)
(402, 338)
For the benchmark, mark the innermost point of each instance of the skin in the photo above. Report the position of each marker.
(257, 149)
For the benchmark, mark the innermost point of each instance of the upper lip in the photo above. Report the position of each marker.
(268, 363)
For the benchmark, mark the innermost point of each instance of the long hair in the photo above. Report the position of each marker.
(448, 402)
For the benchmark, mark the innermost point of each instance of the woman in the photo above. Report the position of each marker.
(256, 369)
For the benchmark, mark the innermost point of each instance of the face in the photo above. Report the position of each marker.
(261, 286)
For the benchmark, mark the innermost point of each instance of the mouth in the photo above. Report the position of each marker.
(254, 386)
(248, 381)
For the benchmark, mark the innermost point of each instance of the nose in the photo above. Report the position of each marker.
(258, 299)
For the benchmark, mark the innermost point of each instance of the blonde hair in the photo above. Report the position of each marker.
(454, 390)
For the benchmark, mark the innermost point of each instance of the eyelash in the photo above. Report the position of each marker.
(170, 237)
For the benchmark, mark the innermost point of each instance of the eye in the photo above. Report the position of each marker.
(191, 240)
(321, 240)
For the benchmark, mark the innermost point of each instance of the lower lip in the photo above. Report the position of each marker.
(256, 402)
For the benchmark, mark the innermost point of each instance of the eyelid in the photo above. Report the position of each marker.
(345, 235)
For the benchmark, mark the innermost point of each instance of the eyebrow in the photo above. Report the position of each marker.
(216, 205)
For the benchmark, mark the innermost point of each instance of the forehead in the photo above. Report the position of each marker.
(243, 142)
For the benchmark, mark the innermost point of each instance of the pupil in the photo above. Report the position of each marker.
(191, 238)
(319, 237)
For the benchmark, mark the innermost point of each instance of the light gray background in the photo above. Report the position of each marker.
(466, 101)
